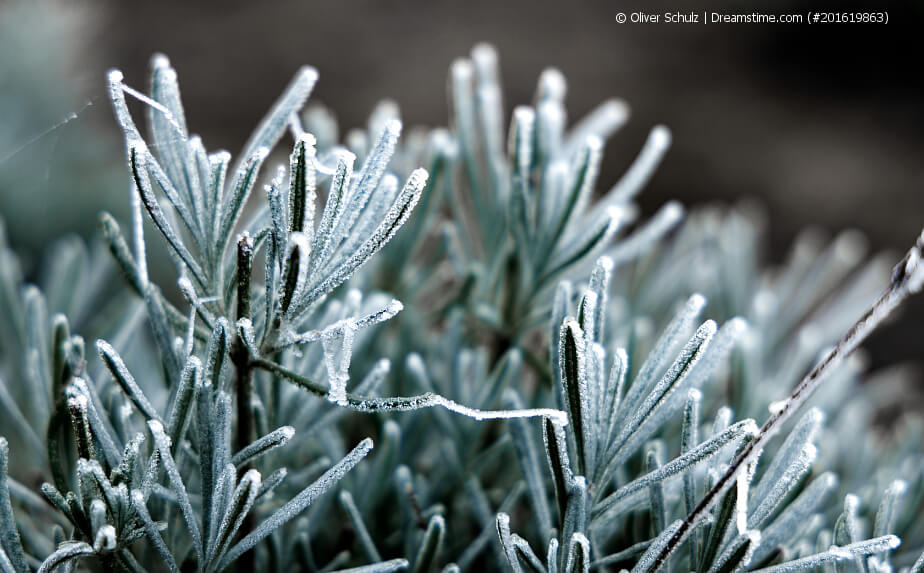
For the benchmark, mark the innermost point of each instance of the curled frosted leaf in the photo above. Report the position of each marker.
(502, 522)
(526, 554)
(337, 355)
(105, 539)
(68, 552)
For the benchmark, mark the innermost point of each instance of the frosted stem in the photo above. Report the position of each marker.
(409, 403)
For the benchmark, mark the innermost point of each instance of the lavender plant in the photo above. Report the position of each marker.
(229, 429)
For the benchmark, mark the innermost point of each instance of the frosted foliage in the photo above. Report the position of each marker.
(339, 328)
(514, 290)
(297, 504)
(643, 168)
(836, 554)
(701, 453)
(647, 560)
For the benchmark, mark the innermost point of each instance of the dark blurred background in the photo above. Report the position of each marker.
(822, 124)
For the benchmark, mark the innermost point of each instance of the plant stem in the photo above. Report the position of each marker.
(243, 374)
(240, 356)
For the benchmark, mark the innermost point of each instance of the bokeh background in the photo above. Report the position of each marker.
(822, 125)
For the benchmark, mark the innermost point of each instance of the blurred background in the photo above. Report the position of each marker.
(822, 125)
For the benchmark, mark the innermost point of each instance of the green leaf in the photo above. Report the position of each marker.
(244, 179)
(162, 442)
(68, 552)
(9, 534)
(124, 378)
(298, 504)
(302, 183)
(578, 554)
(430, 545)
(273, 125)
(574, 381)
(553, 435)
(150, 528)
(137, 159)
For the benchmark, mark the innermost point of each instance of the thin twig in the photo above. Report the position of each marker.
(371, 404)
(907, 279)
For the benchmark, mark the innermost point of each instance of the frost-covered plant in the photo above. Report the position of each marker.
(211, 439)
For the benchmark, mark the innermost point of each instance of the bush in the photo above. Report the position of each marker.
(234, 432)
